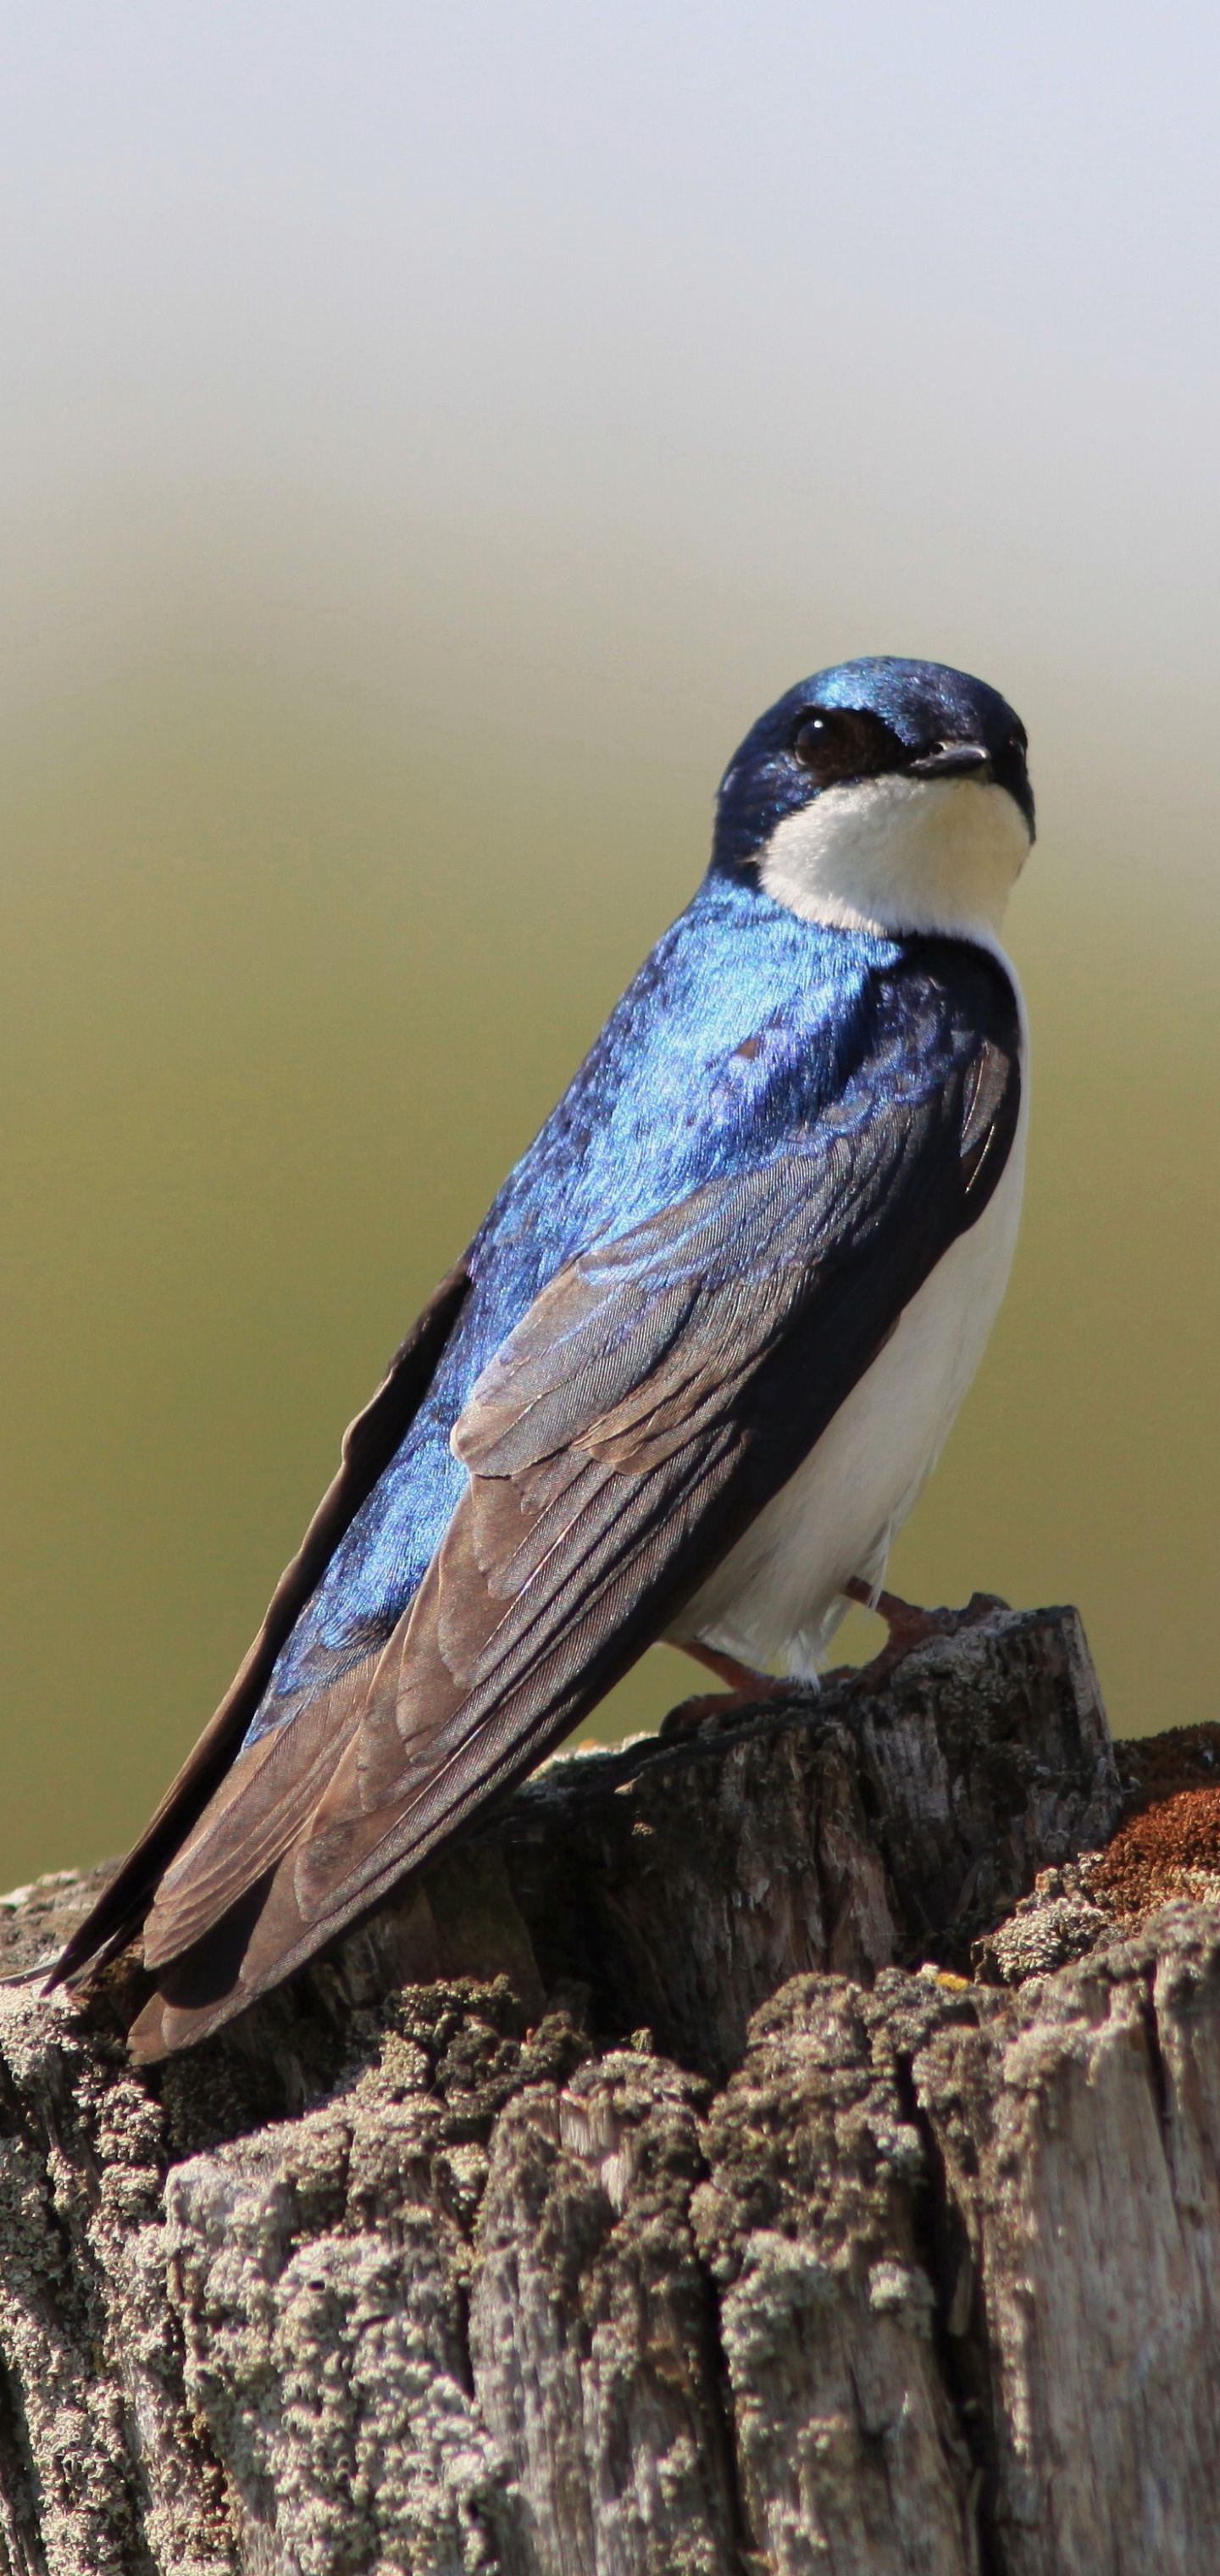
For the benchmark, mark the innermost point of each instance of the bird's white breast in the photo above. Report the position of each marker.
(776, 1599)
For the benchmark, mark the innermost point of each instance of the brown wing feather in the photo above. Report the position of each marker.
(258, 1810)
(368, 1444)
(426, 1753)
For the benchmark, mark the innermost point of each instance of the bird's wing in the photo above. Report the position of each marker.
(655, 1395)
(368, 1445)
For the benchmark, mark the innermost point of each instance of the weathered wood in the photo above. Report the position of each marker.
(722, 2229)
(873, 1822)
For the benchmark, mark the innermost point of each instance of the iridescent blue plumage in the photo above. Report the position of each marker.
(737, 1031)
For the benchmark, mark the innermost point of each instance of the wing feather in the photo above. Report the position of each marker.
(368, 1444)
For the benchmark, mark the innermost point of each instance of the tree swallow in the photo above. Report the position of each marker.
(694, 1367)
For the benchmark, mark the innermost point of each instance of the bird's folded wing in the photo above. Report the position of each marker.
(368, 1445)
(655, 1395)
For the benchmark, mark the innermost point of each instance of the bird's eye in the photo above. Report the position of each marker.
(837, 744)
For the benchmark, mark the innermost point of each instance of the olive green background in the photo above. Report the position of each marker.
(430, 442)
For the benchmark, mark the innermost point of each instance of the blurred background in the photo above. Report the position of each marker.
(430, 436)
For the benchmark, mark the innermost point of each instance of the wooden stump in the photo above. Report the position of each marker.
(654, 2188)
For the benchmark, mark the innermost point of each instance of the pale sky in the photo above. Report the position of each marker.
(651, 347)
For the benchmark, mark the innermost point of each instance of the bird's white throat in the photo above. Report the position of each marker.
(895, 853)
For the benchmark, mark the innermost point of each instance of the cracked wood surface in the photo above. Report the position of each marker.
(638, 2194)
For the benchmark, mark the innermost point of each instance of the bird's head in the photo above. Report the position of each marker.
(882, 794)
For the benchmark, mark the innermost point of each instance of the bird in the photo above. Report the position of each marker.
(692, 1370)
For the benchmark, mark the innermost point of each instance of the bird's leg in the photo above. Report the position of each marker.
(745, 1688)
(910, 1626)
(907, 1623)
(743, 1680)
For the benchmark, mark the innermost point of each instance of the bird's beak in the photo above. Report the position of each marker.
(952, 760)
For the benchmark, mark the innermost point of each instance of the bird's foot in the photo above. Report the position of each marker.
(745, 1689)
(911, 1626)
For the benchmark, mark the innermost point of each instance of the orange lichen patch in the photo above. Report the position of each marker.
(1169, 1841)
